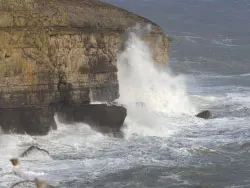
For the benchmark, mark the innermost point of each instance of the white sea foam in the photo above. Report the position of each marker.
(149, 94)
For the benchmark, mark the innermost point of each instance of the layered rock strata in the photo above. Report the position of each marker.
(61, 52)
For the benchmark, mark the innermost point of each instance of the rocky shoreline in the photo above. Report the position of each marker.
(64, 52)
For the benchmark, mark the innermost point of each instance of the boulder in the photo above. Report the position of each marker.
(62, 51)
(42, 184)
(105, 118)
(28, 183)
(15, 161)
(204, 114)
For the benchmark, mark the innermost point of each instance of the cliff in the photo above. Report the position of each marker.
(61, 51)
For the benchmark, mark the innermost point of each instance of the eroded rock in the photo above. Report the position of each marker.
(27, 120)
(104, 118)
(204, 114)
(65, 51)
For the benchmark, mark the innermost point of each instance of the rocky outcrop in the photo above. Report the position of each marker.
(206, 114)
(36, 120)
(104, 118)
(61, 51)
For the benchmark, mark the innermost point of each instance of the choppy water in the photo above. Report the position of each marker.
(164, 144)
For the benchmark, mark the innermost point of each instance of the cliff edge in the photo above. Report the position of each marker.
(61, 51)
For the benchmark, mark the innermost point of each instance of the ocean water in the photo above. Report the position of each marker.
(164, 144)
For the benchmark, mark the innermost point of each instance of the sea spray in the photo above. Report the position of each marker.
(149, 93)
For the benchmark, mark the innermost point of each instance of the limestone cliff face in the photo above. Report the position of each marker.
(64, 50)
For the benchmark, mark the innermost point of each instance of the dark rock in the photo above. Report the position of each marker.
(27, 120)
(205, 114)
(104, 118)
(15, 161)
(34, 149)
(64, 51)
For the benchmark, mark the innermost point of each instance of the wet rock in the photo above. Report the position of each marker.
(28, 183)
(15, 161)
(63, 51)
(27, 120)
(34, 150)
(105, 118)
(42, 184)
(204, 114)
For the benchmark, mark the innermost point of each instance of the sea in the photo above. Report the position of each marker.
(164, 144)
